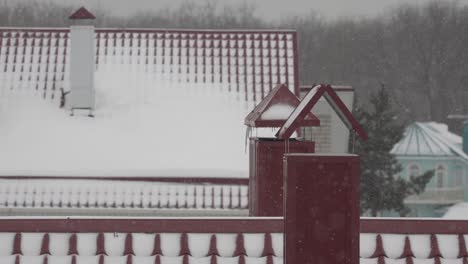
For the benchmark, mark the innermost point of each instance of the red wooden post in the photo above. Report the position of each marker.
(266, 173)
(321, 209)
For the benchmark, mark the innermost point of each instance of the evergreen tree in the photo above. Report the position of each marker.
(381, 188)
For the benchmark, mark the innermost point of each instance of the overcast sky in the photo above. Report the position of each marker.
(265, 8)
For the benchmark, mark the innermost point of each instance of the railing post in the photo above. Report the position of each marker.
(321, 200)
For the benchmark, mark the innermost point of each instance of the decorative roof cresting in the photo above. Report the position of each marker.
(82, 13)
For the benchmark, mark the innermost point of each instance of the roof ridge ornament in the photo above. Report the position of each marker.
(82, 13)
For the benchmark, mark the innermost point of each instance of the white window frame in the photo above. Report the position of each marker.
(409, 169)
(444, 176)
(459, 176)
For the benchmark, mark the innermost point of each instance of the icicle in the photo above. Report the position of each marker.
(248, 133)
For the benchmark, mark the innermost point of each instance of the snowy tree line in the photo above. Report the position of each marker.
(418, 53)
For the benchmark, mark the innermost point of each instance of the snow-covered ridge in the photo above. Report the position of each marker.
(226, 248)
(142, 248)
(60, 193)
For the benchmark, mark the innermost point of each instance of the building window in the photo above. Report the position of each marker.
(459, 177)
(441, 171)
(414, 170)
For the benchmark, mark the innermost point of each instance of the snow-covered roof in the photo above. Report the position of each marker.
(247, 62)
(215, 240)
(142, 248)
(429, 139)
(223, 241)
(119, 197)
(166, 100)
(457, 211)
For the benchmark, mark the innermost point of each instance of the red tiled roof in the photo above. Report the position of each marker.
(247, 63)
(411, 241)
(164, 241)
(221, 240)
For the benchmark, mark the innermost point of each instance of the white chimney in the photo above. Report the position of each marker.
(82, 61)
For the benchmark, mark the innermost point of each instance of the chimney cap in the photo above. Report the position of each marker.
(309, 101)
(277, 103)
(82, 13)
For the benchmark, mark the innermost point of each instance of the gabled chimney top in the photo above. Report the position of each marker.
(309, 101)
(82, 13)
(275, 108)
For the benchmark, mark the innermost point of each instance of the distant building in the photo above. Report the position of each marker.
(430, 146)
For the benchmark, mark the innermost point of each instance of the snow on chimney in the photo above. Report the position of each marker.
(82, 61)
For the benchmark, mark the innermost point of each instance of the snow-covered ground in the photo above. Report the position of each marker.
(142, 127)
